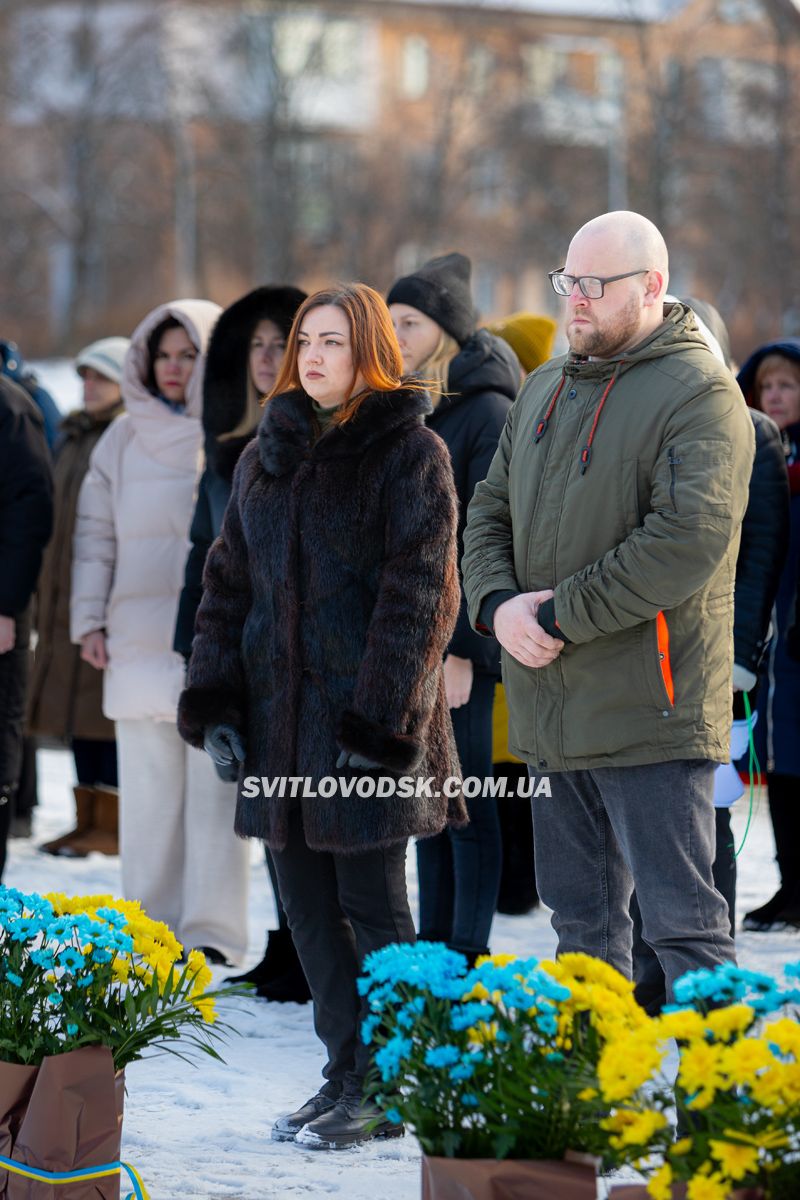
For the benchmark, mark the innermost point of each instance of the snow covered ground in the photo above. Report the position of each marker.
(203, 1131)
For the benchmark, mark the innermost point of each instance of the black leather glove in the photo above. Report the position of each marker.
(225, 745)
(356, 762)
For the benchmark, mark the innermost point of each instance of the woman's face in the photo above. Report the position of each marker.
(779, 394)
(417, 334)
(99, 392)
(173, 364)
(266, 354)
(325, 356)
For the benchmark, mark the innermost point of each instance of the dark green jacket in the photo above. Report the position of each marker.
(639, 543)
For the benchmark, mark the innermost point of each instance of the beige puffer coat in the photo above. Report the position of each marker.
(132, 528)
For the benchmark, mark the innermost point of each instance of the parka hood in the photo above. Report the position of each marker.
(198, 317)
(286, 433)
(171, 438)
(788, 347)
(485, 364)
(677, 332)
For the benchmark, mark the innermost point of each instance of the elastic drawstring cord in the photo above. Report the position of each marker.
(541, 428)
(752, 762)
(586, 452)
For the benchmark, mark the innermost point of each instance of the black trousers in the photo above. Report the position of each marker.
(14, 665)
(459, 869)
(95, 761)
(340, 907)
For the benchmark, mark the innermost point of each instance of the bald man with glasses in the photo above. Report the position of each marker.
(600, 551)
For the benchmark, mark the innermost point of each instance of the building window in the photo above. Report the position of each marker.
(415, 67)
(738, 99)
(740, 12)
(310, 45)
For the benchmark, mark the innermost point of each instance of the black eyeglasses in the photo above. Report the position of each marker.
(592, 286)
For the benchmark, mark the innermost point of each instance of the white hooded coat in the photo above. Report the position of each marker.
(132, 529)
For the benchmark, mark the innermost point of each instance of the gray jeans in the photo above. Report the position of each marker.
(607, 830)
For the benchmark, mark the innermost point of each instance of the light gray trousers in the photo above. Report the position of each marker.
(605, 830)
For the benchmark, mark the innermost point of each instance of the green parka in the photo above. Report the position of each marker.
(638, 537)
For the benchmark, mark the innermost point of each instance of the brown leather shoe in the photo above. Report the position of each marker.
(103, 836)
(66, 844)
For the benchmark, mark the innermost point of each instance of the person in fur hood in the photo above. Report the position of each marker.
(180, 856)
(330, 598)
(244, 356)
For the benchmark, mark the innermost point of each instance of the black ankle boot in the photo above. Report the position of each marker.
(278, 956)
(770, 915)
(351, 1122)
(290, 986)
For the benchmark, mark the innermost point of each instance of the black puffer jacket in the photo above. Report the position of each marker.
(764, 544)
(484, 380)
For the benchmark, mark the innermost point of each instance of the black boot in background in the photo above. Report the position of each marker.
(784, 808)
(287, 983)
(274, 962)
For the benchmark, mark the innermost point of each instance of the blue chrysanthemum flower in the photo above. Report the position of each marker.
(60, 930)
(72, 1029)
(470, 1100)
(368, 1027)
(390, 1056)
(45, 959)
(462, 1070)
(394, 1116)
(55, 998)
(86, 980)
(71, 959)
(442, 1056)
(463, 1016)
(14, 978)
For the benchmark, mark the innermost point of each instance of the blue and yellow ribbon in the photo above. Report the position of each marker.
(60, 1177)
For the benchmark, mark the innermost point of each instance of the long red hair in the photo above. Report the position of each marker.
(373, 341)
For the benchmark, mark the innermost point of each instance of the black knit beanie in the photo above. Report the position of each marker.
(441, 290)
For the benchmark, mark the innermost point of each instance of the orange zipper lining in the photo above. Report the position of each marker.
(662, 632)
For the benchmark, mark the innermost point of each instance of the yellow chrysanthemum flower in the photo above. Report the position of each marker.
(659, 1185)
(700, 1072)
(205, 1006)
(785, 1034)
(633, 1128)
(736, 1160)
(682, 1146)
(730, 1021)
(744, 1059)
(686, 1025)
(483, 1032)
(497, 960)
(120, 969)
(625, 1065)
(708, 1187)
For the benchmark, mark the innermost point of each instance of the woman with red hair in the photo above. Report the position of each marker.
(330, 597)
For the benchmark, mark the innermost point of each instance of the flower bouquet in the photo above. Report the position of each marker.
(737, 1090)
(87, 984)
(497, 1065)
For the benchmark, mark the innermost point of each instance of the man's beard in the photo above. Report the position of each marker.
(607, 340)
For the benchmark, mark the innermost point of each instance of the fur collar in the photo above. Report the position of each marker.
(286, 433)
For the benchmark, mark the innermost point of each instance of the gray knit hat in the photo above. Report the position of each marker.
(105, 356)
